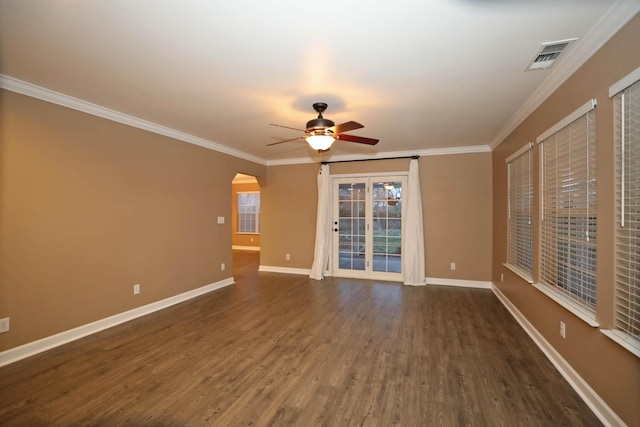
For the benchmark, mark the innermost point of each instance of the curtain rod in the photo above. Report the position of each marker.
(369, 160)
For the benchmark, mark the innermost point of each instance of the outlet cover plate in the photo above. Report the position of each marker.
(4, 325)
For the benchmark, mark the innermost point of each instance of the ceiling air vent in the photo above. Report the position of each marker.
(548, 54)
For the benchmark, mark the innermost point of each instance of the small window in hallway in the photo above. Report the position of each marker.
(249, 212)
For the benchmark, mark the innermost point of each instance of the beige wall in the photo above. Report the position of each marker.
(288, 208)
(457, 194)
(456, 191)
(611, 371)
(90, 207)
(242, 239)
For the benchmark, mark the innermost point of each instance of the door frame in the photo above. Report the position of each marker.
(368, 178)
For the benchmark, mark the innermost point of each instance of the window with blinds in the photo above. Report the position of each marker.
(568, 226)
(249, 212)
(519, 219)
(627, 285)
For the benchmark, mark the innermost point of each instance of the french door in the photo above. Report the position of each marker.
(367, 227)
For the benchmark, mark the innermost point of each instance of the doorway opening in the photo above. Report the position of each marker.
(245, 222)
(367, 227)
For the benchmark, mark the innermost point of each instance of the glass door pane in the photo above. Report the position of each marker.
(387, 226)
(352, 226)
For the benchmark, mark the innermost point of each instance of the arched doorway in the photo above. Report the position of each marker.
(245, 223)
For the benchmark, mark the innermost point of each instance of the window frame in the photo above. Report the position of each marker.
(627, 221)
(522, 189)
(565, 276)
(256, 215)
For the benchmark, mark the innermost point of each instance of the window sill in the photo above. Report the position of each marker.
(246, 232)
(520, 272)
(618, 339)
(586, 317)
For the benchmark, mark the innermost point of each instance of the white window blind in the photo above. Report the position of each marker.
(568, 227)
(627, 140)
(520, 203)
(249, 212)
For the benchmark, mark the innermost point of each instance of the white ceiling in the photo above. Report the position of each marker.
(419, 74)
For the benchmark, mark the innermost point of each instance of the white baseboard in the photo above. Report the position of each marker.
(285, 270)
(606, 415)
(246, 248)
(457, 282)
(44, 344)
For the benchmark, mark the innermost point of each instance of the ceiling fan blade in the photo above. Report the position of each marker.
(345, 127)
(286, 127)
(286, 140)
(358, 139)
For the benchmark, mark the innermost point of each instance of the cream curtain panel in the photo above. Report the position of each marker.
(323, 225)
(413, 234)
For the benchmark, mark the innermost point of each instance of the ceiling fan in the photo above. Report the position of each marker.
(321, 133)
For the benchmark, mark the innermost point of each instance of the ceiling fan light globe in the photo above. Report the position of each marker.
(320, 142)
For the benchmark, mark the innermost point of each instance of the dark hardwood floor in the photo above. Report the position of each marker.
(284, 350)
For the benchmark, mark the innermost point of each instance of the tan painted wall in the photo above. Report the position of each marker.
(89, 207)
(288, 204)
(611, 371)
(242, 239)
(456, 193)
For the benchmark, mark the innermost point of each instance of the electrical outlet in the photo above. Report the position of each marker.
(220, 220)
(136, 289)
(287, 257)
(222, 266)
(453, 265)
(4, 325)
(563, 330)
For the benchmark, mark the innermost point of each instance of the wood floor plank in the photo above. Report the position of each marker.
(284, 350)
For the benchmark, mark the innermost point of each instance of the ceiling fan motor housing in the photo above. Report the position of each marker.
(318, 126)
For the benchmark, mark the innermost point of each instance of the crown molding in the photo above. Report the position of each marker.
(611, 22)
(48, 95)
(383, 155)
